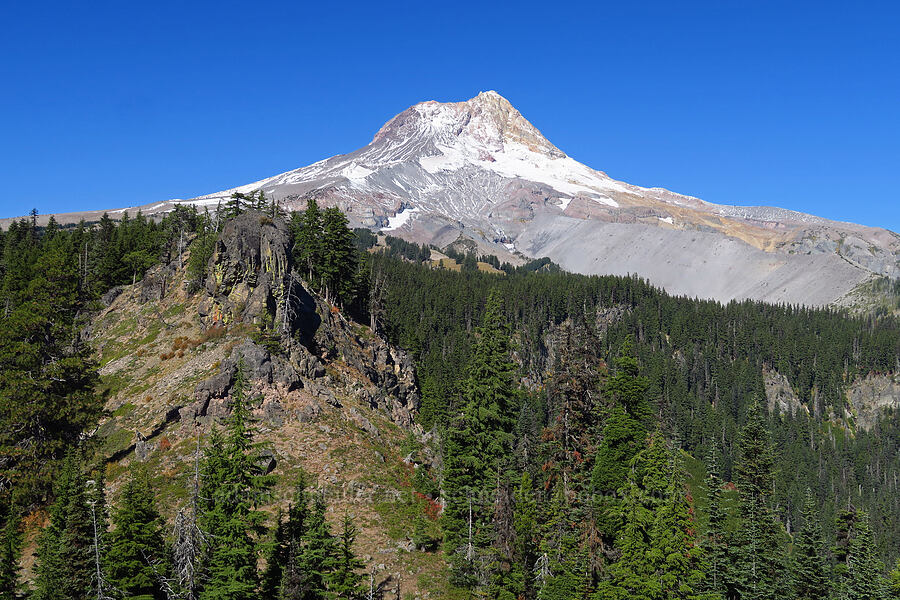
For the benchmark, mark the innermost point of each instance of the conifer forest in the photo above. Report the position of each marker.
(573, 437)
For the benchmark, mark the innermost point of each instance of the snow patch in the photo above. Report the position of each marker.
(516, 161)
(668, 220)
(356, 173)
(400, 219)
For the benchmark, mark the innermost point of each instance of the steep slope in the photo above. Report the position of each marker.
(479, 169)
(330, 397)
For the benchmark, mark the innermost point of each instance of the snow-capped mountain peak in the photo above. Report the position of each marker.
(479, 170)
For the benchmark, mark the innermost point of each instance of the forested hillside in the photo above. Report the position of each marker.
(577, 437)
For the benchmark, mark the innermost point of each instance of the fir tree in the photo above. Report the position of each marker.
(808, 575)
(622, 438)
(338, 260)
(477, 446)
(237, 204)
(525, 524)
(660, 558)
(894, 582)
(865, 580)
(276, 557)
(65, 559)
(234, 486)
(715, 542)
(136, 543)
(626, 385)
(10, 550)
(757, 550)
(47, 378)
(293, 581)
(345, 581)
(562, 565)
(314, 558)
(308, 235)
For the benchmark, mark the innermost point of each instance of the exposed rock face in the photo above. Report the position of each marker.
(250, 280)
(780, 394)
(249, 270)
(869, 396)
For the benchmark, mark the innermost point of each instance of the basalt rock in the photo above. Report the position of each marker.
(251, 281)
(249, 270)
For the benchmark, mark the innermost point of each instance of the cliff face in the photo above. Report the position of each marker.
(250, 281)
(249, 271)
(870, 396)
(866, 397)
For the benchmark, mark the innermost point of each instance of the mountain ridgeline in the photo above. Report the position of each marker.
(251, 404)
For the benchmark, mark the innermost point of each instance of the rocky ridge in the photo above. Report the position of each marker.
(329, 395)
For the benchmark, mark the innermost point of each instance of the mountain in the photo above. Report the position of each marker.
(478, 170)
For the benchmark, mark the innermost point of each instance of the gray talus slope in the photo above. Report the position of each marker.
(691, 263)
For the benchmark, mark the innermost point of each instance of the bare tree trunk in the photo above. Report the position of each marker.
(190, 540)
(102, 584)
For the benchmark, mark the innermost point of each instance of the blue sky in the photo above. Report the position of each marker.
(794, 104)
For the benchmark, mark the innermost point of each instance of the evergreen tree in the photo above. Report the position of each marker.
(621, 440)
(715, 543)
(561, 565)
(660, 557)
(237, 204)
(894, 582)
(477, 447)
(757, 550)
(10, 550)
(626, 386)
(345, 581)
(338, 261)
(865, 580)
(313, 560)
(65, 560)
(276, 557)
(234, 486)
(283, 578)
(136, 546)
(525, 524)
(308, 234)
(47, 378)
(808, 575)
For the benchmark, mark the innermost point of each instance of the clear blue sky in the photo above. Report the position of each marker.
(794, 104)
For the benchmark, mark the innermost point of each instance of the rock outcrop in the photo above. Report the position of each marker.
(302, 342)
(780, 394)
(870, 396)
(249, 271)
